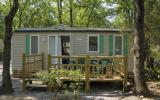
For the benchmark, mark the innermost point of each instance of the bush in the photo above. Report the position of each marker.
(52, 79)
(152, 66)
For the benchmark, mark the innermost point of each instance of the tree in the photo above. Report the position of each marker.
(59, 4)
(71, 13)
(47, 13)
(152, 20)
(139, 50)
(6, 87)
(1, 26)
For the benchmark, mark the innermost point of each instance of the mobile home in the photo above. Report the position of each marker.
(65, 41)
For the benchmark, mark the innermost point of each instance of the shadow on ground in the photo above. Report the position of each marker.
(100, 91)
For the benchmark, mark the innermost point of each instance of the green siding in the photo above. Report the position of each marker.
(101, 44)
(125, 44)
(110, 44)
(27, 47)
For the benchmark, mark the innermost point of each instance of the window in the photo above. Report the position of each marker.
(34, 45)
(93, 44)
(118, 45)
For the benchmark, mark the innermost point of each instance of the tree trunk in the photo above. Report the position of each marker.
(71, 13)
(139, 47)
(6, 87)
(59, 4)
(90, 14)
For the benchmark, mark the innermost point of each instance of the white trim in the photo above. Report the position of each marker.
(88, 44)
(30, 42)
(114, 43)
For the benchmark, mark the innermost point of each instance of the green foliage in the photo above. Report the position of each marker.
(1, 25)
(152, 66)
(50, 78)
(75, 84)
(151, 20)
(85, 13)
(53, 79)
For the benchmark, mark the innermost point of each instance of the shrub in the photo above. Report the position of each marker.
(54, 82)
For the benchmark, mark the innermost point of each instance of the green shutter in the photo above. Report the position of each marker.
(125, 44)
(27, 48)
(110, 45)
(101, 44)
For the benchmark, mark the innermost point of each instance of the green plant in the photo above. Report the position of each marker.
(54, 82)
(152, 66)
(75, 84)
(51, 79)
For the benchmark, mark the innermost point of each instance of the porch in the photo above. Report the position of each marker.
(92, 68)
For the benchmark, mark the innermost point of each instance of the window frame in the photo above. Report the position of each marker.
(97, 44)
(114, 44)
(31, 41)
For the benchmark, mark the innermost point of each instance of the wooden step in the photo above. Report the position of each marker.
(36, 85)
(34, 79)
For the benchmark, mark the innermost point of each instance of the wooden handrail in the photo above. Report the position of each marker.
(31, 64)
(111, 61)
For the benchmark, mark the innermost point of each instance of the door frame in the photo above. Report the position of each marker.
(56, 41)
(69, 35)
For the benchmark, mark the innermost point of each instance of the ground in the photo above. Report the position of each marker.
(101, 92)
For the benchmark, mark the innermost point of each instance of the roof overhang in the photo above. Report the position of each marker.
(71, 30)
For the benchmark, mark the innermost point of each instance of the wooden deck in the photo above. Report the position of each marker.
(92, 68)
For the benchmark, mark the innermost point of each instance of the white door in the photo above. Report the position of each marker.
(52, 47)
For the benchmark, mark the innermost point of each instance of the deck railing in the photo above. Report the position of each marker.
(93, 68)
(102, 66)
(31, 65)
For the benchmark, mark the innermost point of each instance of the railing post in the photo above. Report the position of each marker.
(23, 74)
(58, 62)
(125, 72)
(112, 66)
(42, 61)
(49, 62)
(87, 75)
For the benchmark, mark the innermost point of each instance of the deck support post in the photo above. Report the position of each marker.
(58, 67)
(49, 62)
(23, 74)
(125, 73)
(87, 75)
(42, 61)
